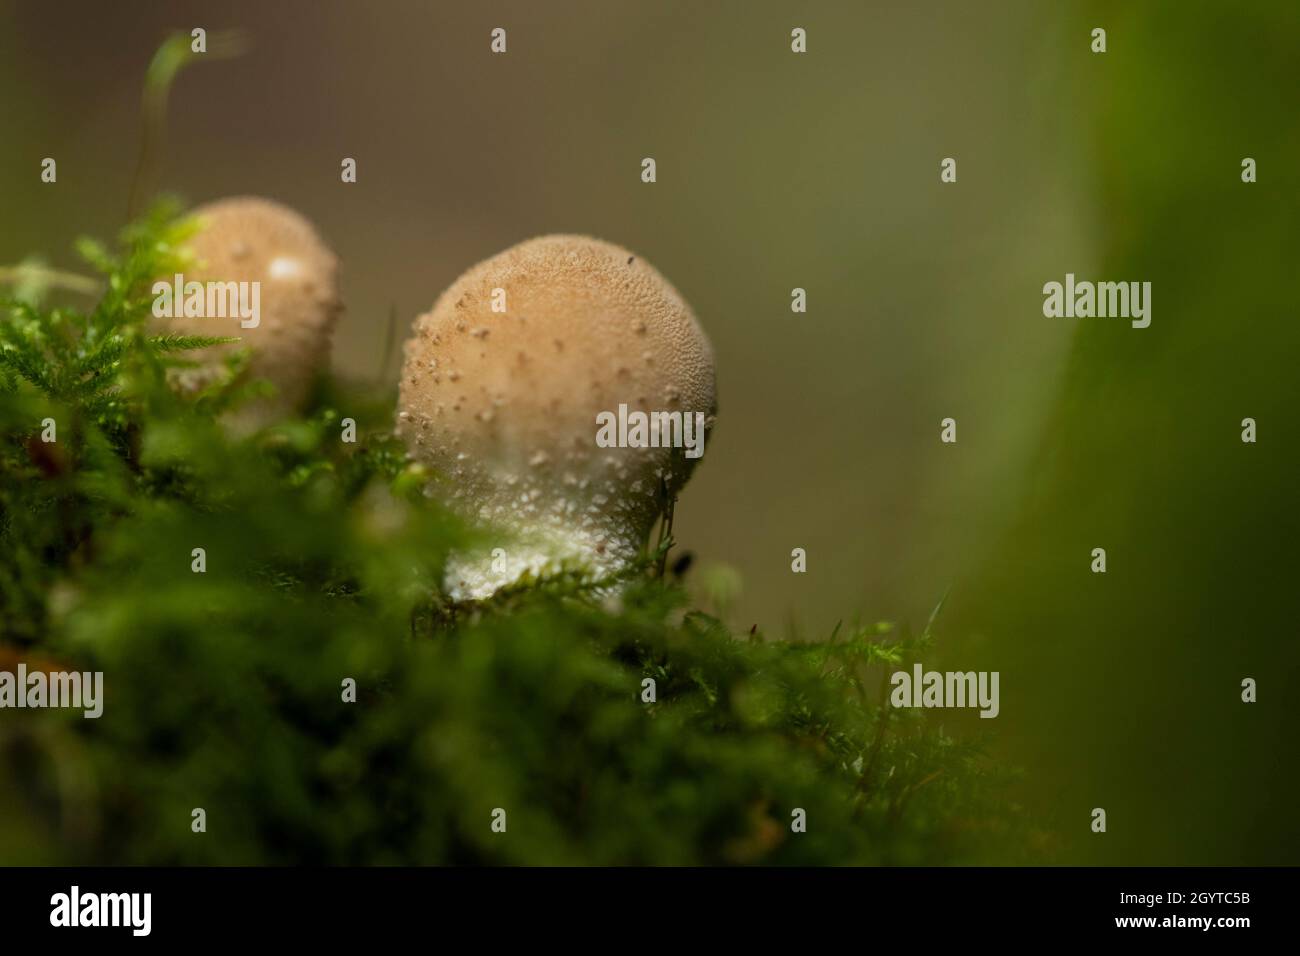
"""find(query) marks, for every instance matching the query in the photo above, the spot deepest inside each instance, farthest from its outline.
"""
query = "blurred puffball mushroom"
(258, 253)
(502, 388)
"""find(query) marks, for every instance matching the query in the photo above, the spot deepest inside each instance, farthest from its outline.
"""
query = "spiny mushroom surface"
(248, 239)
(504, 406)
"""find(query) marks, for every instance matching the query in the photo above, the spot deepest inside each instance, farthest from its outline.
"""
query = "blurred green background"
(822, 171)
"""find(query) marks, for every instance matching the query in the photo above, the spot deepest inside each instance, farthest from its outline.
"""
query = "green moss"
(223, 690)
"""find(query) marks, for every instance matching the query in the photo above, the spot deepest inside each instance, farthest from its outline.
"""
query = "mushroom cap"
(504, 405)
(248, 239)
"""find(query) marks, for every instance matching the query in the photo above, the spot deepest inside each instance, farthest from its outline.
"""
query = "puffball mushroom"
(251, 240)
(503, 406)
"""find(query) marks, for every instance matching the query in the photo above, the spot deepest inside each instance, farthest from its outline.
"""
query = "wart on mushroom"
(247, 240)
(505, 405)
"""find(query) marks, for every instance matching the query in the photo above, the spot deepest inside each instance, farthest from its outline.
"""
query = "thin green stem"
(175, 54)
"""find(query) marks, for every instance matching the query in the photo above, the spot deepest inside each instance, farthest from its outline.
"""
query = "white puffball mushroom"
(253, 240)
(503, 405)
